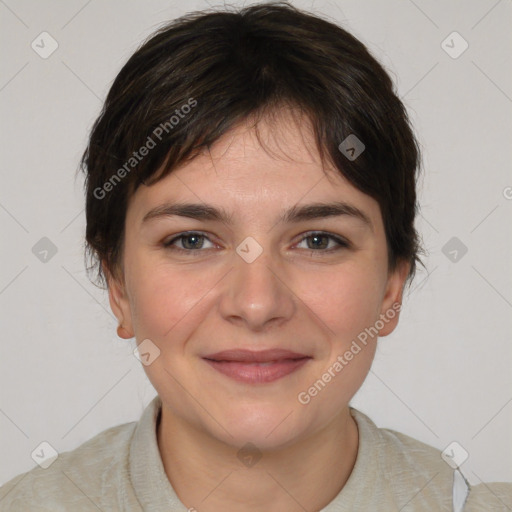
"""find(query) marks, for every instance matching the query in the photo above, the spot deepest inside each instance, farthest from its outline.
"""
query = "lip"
(257, 367)
(251, 356)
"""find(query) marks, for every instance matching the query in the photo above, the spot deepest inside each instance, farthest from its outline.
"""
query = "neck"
(207, 474)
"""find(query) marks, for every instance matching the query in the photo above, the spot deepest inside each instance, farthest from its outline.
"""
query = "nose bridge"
(256, 293)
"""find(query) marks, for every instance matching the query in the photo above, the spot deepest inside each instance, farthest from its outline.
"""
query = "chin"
(268, 428)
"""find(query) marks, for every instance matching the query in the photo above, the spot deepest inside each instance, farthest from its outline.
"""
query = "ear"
(119, 303)
(392, 301)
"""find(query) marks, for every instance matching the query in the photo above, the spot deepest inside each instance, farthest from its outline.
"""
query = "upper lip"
(255, 356)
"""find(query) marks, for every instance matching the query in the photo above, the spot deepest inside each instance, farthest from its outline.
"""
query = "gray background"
(444, 375)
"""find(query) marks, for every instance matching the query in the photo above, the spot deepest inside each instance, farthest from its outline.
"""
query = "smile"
(257, 367)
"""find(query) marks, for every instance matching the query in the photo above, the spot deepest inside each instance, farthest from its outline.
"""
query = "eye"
(320, 240)
(193, 241)
(190, 241)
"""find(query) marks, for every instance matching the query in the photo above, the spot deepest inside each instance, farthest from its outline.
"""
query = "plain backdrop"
(444, 375)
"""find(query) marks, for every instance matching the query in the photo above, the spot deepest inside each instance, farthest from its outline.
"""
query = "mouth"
(257, 367)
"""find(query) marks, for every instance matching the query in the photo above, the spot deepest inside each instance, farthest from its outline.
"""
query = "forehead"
(256, 171)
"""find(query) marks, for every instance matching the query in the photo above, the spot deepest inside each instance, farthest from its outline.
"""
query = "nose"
(257, 293)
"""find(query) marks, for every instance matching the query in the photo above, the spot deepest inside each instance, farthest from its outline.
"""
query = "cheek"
(167, 302)
(347, 299)
(348, 303)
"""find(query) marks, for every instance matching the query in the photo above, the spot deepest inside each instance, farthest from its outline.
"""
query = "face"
(268, 275)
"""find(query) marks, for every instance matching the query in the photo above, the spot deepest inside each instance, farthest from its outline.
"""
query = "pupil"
(316, 238)
(192, 237)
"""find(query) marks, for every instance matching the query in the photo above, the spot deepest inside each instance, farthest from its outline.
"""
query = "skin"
(296, 295)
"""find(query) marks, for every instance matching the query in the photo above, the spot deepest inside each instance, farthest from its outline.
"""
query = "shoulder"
(491, 497)
(418, 478)
(415, 455)
(77, 478)
(412, 473)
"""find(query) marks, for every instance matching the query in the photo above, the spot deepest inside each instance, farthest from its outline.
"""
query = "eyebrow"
(295, 214)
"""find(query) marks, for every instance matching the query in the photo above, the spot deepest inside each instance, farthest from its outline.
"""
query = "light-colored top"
(121, 469)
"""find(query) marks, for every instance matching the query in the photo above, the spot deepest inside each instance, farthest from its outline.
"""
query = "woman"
(251, 196)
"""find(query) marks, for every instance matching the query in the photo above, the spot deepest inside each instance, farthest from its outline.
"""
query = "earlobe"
(119, 304)
(392, 301)
(124, 333)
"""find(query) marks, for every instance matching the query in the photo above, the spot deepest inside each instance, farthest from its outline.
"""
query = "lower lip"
(254, 373)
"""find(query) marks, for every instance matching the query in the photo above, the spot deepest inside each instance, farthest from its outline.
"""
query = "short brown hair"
(227, 66)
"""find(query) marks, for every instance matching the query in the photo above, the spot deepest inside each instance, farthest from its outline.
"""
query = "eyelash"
(342, 244)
